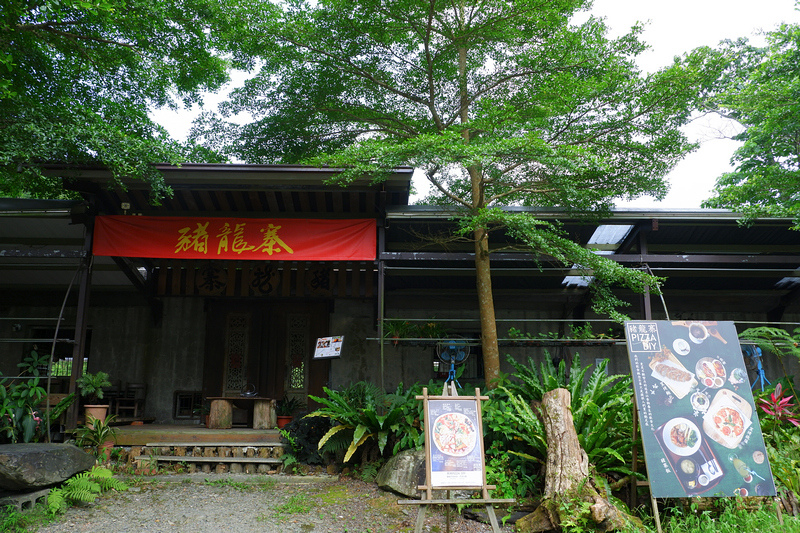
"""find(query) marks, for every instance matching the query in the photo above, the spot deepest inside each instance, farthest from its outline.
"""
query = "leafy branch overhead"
(759, 87)
(497, 102)
(550, 243)
(80, 76)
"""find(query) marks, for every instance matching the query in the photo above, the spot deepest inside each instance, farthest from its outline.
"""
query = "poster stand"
(634, 481)
(427, 497)
(695, 412)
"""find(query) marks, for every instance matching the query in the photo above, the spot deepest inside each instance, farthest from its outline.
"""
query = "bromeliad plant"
(780, 408)
(780, 425)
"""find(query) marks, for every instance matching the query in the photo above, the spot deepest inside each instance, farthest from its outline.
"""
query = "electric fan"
(455, 352)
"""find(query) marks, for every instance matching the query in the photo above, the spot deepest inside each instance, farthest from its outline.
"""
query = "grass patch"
(14, 521)
(296, 504)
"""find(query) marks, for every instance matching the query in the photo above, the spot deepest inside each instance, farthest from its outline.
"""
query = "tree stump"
(221, 414)
(570, 494)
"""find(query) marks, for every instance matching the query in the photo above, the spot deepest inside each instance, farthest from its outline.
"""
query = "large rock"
(403, 473)
(25, 467)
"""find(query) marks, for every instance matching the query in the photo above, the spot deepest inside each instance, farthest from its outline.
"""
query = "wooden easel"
(428, 488)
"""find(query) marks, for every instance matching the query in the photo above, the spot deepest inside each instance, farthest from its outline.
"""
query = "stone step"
(231, 444)
(195, 459)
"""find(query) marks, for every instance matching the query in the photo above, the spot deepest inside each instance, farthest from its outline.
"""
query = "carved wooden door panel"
(266, 346)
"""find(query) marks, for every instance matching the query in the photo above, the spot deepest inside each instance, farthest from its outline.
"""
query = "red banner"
(276, 239)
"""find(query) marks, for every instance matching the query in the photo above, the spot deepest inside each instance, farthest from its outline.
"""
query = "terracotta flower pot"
(104, 451)
(95, 412)
(283, 420)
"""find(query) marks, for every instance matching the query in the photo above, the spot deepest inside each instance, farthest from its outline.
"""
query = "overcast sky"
(672, 28)
(676, 27)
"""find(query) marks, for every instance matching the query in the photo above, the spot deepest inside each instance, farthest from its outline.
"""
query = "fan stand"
(754, 353)
(453, 352)
(451, 376)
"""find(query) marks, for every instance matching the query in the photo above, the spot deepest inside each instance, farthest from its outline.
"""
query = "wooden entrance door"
(266, 346)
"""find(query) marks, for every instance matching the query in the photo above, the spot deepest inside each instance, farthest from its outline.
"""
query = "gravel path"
(202, 503)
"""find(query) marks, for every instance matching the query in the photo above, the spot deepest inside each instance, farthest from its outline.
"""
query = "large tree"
(79, 76)
(761, 91)
(498, 102)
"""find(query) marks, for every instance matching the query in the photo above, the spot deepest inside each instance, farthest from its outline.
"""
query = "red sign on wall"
(277, 239)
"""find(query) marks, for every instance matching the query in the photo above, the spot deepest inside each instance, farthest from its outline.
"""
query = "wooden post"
(221, 414)
(263, 415)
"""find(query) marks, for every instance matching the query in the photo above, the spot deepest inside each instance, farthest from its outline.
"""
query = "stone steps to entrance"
(234, 457)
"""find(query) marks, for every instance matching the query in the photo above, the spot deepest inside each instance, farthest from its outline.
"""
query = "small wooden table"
(221, 413)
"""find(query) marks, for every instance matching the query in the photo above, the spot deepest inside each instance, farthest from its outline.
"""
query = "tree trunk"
(483, 274)
(569, 492)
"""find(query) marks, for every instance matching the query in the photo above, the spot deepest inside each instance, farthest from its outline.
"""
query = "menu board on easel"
(697, 416)
(456, 448)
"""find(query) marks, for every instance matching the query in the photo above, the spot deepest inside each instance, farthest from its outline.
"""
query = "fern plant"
(357, 424)
(601, 409)
(778, 341)
(82, 488)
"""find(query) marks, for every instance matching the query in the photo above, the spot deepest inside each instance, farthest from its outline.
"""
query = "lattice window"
(297, 335)
(237, 333)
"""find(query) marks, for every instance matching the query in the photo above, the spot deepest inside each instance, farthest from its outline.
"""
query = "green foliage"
(364, 414)
(602, 407)
(288, 405)
(100, 432)
(12, 521)
(547, 239)
(20, 402)
(398, 329)
(82, 488)
(759, 87)
(777, 341)
(779, 426)
(498, 102)
(783, 449)
(91, 385)
(296, 504)
(728, 517)
(512, 474)
(80, 76)
(576, 332)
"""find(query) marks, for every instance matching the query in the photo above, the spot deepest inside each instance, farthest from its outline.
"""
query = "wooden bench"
(221, 412)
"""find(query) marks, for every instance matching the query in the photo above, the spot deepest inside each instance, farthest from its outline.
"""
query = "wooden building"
(149, 296)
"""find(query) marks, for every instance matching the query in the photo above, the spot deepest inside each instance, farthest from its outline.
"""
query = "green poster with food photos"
(699, 424)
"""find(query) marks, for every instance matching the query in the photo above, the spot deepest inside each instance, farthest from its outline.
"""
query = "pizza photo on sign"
(727, 419)
(454, 434)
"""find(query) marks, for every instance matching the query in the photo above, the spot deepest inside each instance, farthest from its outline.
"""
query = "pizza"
(729, 422)
(454, 434)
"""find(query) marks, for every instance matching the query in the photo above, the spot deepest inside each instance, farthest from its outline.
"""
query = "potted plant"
(203, 410)
(397, 329)
(285, 408)
(100, 436)
(91, 387)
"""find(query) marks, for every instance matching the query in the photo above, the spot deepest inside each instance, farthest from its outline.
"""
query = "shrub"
(303, 435)
(365, 415)
(602, 407)
(20, 417)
